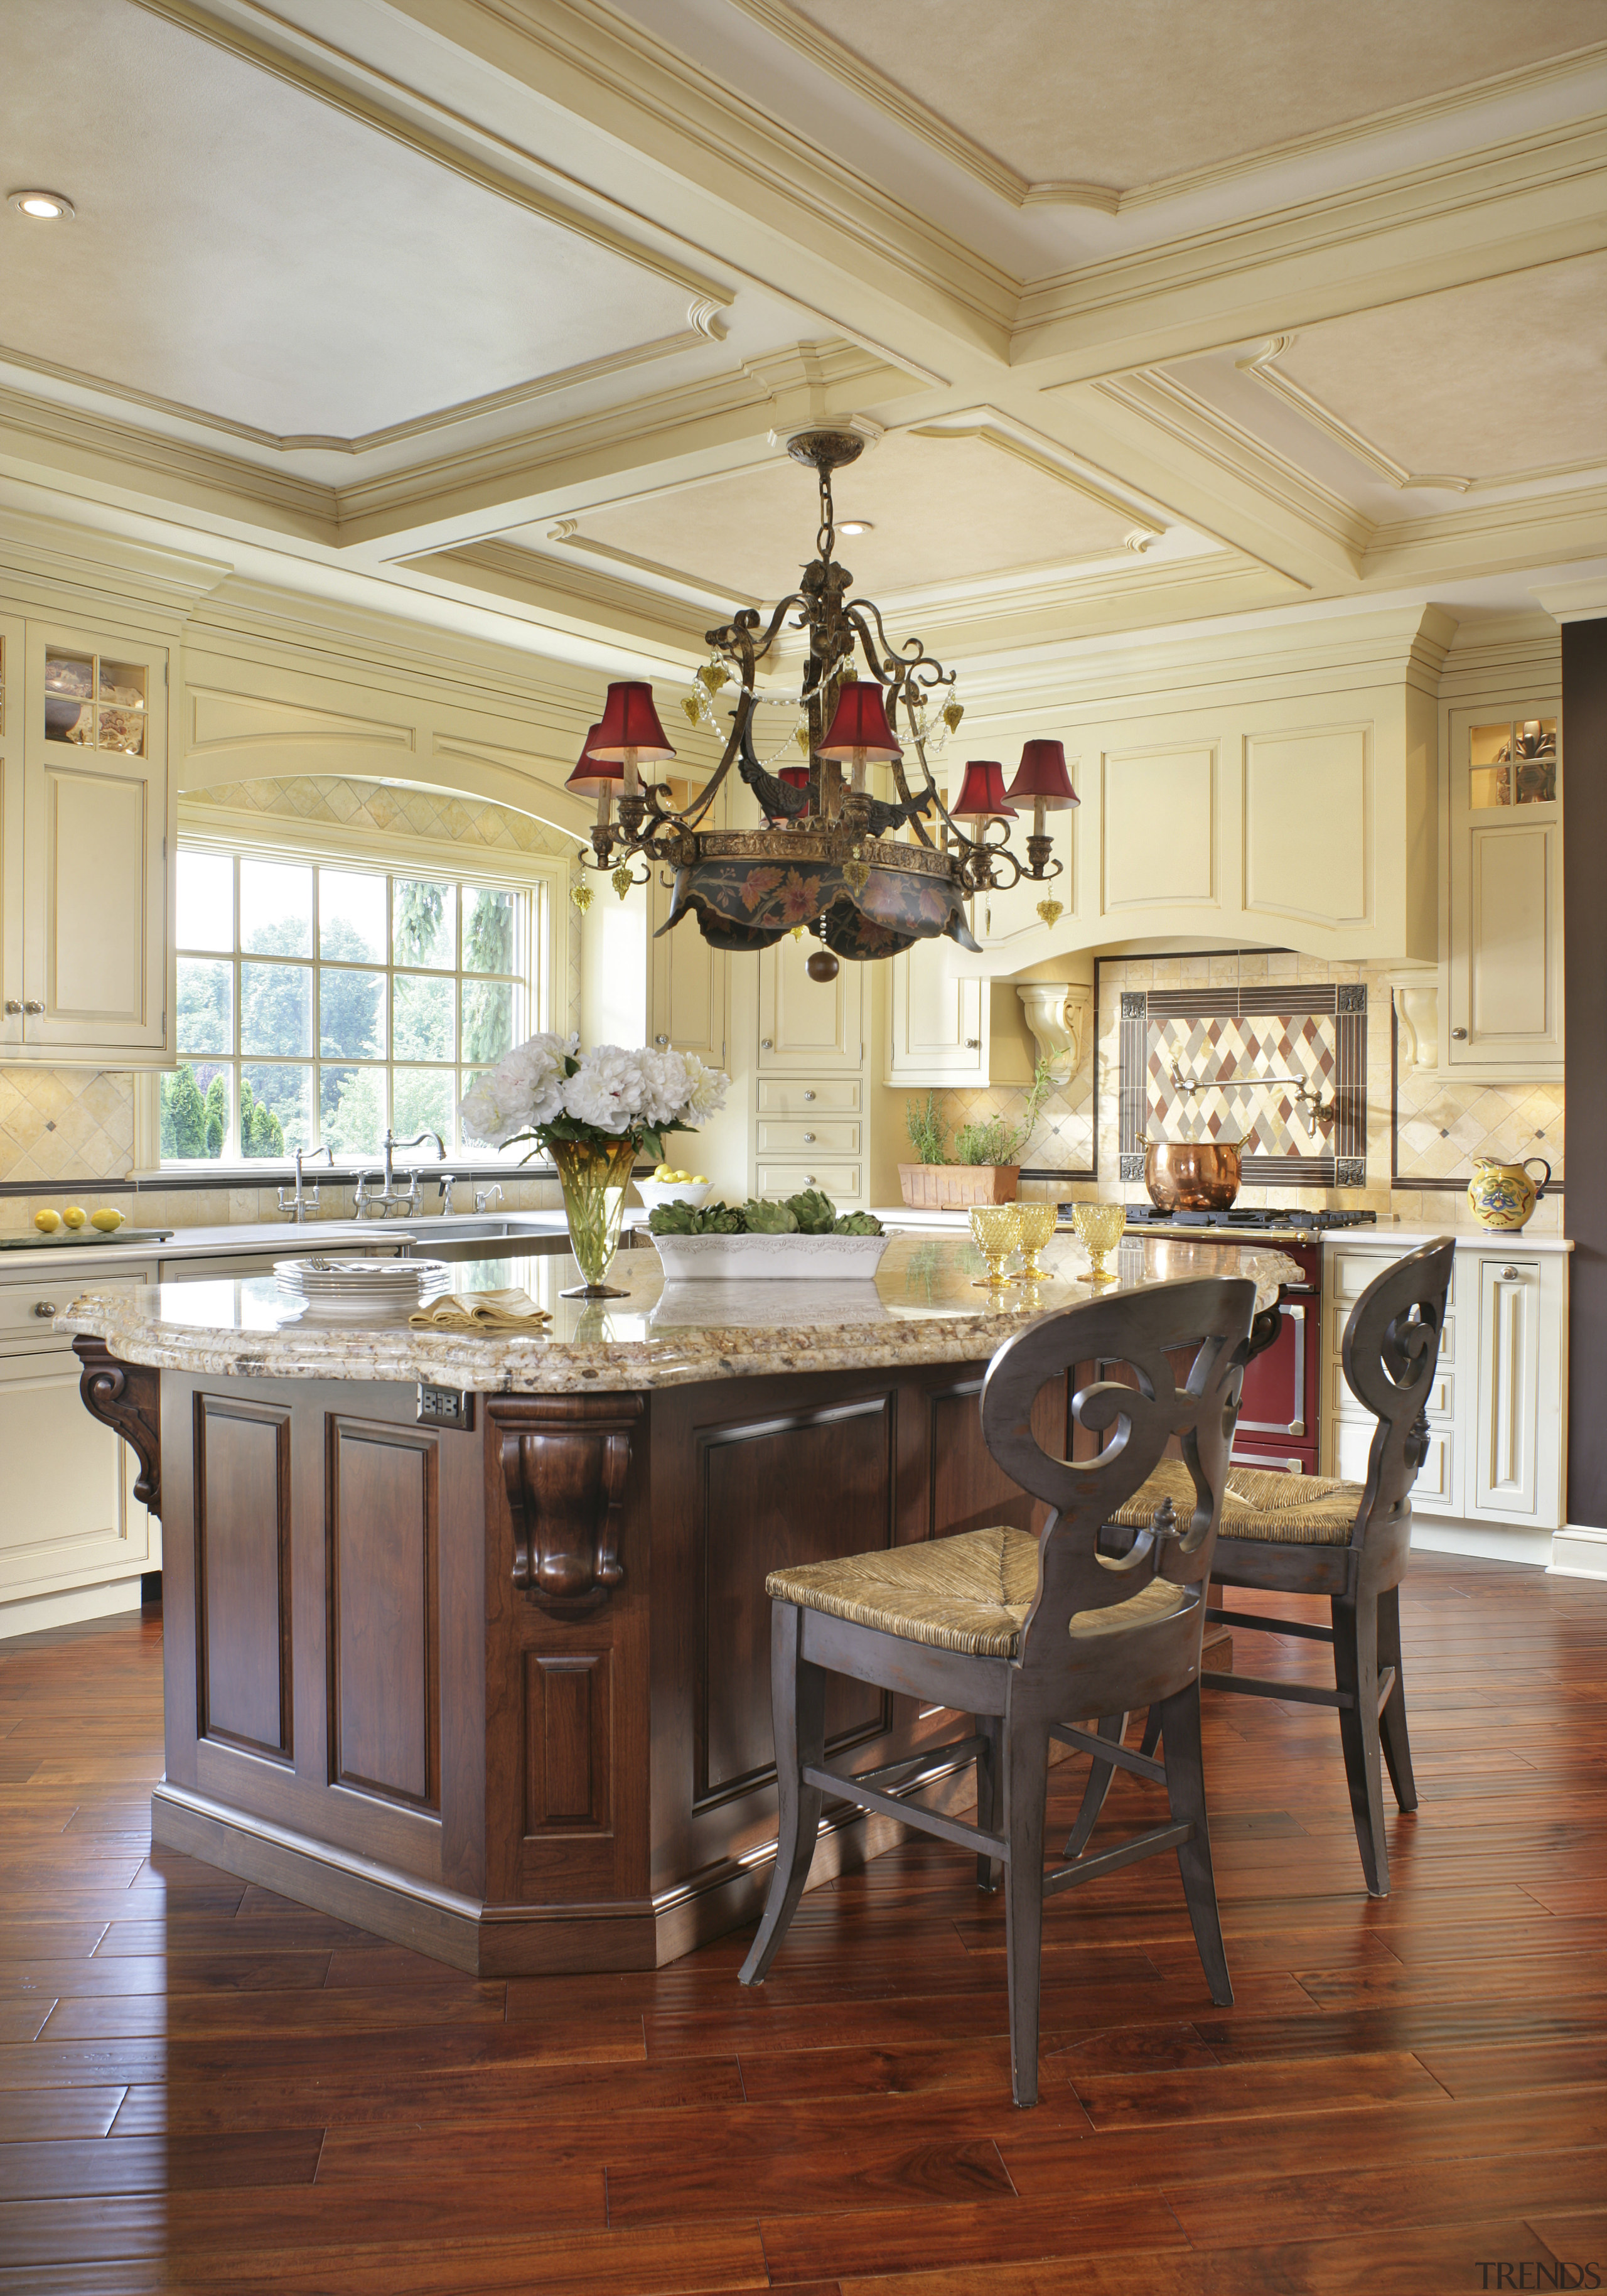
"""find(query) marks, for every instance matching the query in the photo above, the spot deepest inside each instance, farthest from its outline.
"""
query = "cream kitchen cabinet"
(937, 1031)
(689, 986)
(73, 1538)
(1503, 1011)
(804, 1024)
(87, 839)
(637, 989)
(1497, 1439)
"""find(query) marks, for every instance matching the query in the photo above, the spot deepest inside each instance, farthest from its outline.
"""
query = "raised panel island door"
(94, 826)
(1507, 1419)
(12, 721)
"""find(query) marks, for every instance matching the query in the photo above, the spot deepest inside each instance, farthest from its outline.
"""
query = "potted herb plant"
(985, 1168)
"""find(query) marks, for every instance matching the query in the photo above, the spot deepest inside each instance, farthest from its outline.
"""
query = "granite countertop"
(924, 1306)
(1385, 1230)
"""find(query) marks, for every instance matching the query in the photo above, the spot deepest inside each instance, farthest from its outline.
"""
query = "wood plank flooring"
(206, 2087)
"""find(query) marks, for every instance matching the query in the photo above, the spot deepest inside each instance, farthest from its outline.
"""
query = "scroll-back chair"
(1022, 1632)
(1313, 1535)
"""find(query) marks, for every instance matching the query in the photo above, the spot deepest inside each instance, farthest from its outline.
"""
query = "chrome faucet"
(389, 1198)
(302, 1204)
(483, 1197)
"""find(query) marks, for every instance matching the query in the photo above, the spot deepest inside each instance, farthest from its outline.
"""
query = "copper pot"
(1195, 1176)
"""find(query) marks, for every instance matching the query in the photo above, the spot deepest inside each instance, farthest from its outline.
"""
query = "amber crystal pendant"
(594, 1180)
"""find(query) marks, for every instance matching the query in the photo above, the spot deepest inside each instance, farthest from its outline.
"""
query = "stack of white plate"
(359, 1291)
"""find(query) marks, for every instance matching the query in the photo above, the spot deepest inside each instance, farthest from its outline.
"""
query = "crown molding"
(1007, 436)
(1263, 368)
(1489, 538)
(776, 391)
(872, 85)
(691, 337)
(289, 56)
(54, 554)
(577, 594)
(1158, 399)
(1537, 199)
(1575, 601)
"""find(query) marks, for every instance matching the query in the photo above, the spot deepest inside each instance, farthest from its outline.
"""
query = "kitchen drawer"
(1339, 1315)
(1351, 1441)
(24, 1303)
(839, 1137)
(1348, 1271)
(790, 1097)
(1442, 1397)
(841, 1182)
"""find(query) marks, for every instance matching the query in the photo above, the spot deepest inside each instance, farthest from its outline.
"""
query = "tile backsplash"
(1440, 1126)
(65, 1124)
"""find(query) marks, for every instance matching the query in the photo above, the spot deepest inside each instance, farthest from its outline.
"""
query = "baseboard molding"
(1579, 1551)
(1483, 1542)
(40, 1613)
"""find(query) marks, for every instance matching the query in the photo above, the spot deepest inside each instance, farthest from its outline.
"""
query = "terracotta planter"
(955, 1187)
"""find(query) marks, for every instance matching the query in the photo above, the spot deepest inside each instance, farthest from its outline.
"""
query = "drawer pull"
(808, 1095)
(809, 1179)
(810, 1137)
(43, 1307)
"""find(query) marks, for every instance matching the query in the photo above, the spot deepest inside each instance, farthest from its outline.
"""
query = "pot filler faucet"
(389, 1198)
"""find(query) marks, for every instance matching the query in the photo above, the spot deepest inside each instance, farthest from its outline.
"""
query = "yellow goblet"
(996, 1229)
(1099, 1226)
(1035, 1225)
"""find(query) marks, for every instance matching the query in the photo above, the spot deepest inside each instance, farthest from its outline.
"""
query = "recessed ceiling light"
(856, 526)
(44, 207)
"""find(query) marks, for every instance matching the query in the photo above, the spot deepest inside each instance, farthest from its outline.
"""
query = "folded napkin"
(512, 1310)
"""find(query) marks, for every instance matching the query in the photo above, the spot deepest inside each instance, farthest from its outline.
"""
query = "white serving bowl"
(761, 1258)
(654, 1193)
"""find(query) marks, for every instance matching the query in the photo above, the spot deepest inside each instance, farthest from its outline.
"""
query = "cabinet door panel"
(68, 1517)
(11, 831)
(1503, 941)
(1510, 901)
(1508, 1404)
(94, 826)
(689, 987)
(804, 1024)
(935, 1032)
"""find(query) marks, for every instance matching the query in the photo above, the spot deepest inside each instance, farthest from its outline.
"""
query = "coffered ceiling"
(499, 311)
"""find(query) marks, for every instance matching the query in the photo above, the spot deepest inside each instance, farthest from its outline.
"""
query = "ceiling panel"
(1094, 91)
(941, 509)
(1503, 377)
(243, 247)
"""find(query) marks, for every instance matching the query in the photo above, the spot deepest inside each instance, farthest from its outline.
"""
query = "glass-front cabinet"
(1504, 886)
(84, 837)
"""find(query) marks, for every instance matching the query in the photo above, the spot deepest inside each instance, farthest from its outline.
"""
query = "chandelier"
(868, 875)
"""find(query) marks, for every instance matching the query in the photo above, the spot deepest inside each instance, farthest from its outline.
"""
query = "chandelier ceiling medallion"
(869, 876)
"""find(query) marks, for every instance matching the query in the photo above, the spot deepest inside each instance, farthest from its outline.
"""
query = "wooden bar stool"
(1020, 1632)
(1313, 1535)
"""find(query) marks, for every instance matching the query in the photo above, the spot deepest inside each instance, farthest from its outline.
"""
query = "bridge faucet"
(392, 1143)
(300, 1203)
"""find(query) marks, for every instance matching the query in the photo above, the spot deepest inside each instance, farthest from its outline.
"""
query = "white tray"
(762, 1259)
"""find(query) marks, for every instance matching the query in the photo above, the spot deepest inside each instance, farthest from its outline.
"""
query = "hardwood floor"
(205, 2087)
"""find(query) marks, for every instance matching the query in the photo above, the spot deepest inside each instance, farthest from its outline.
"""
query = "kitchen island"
(466, 1638)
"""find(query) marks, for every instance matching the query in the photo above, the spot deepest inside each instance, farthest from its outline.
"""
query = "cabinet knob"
(43, 1307)
(661, 1038)
(809, 1179)
(808, 1095)
(1510, 1275)
(765, 1045)
(973, 1044)
(809, 1138)
(32, 1004)
(13, 1004)
(1459, 1034)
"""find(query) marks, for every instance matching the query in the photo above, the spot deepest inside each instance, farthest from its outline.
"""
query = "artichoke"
(681, 1218)
(856, 1224)
(770, 1219)
(815, 1212)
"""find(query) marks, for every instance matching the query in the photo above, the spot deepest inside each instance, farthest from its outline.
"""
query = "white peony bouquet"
(547, 1089)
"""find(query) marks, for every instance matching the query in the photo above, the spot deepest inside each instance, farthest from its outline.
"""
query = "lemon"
(47, 1223)
(106, 1219)
(74, 1216)
(699, 1179)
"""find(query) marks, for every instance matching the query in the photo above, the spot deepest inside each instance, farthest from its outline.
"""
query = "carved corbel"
(564, 1460)
(1057, 1013)
(126, 1398)
(1418, 1024)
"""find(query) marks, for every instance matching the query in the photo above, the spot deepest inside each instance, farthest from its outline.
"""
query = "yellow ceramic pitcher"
(1503, 1195)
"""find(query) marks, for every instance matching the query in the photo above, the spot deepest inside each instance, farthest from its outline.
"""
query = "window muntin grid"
(340, 997)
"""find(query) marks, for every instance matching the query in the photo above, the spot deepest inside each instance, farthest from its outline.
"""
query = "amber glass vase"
(594, 1180)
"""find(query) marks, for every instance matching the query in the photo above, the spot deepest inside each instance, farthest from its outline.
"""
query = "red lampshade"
(982, 791)
(590, 772)
(1042, 779)
(859, 724)
(630, 722)
(794, 776)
